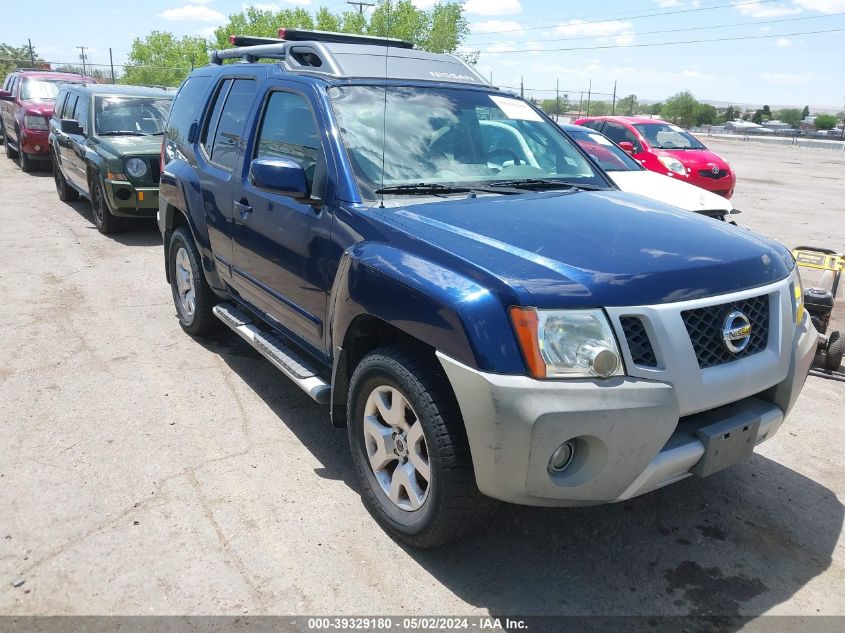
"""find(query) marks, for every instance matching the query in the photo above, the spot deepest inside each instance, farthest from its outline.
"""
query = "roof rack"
(47, 70)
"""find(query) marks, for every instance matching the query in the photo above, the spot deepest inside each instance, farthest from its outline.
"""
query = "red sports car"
(667, 149)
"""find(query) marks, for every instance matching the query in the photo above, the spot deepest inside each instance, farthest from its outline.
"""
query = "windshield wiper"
(436, 189)
(123, 133)
(539, 184)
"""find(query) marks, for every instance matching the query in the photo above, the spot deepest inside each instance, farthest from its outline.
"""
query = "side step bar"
(276, 351)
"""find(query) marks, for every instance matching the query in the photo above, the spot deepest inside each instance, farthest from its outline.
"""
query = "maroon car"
(667, 149)
(26, 105)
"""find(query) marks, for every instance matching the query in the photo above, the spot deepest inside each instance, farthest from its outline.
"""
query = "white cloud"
(760, 10)
(207, 32)
(509, 27)
(765, 28)
(199, 1)
(823, 6)
(265, 6)
(786, 78)
(423, 4)
(192, 13)
(493, 7)
(668, 3)
(783, 42)
(622, 32)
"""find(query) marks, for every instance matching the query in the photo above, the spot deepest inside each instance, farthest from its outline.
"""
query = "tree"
(767, 113)
(103, 75)
(162, 60)
(627, 105)
(806, 112)
(730, 113)
(705, 114)
(12, 57)
(656, 108)
(757, 117)
(825, 122)
(680, 108)
(792, 116)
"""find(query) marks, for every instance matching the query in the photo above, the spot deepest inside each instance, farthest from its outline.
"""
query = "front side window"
(620, 134)
(606, 154)
(288, 130)
(668, 136)
(139, 116)
(42, 89)
(70, 106)
(397, 136)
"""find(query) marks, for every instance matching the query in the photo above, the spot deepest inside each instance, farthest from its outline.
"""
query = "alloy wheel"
(185, 283)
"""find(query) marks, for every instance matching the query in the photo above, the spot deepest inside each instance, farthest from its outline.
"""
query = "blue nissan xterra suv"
(484, 328)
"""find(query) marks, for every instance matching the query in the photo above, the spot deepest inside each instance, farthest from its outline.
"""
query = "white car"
(625, 172)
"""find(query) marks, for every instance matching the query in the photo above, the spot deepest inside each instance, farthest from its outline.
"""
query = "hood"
(670, 191)
(593, 249)
(38, 107)
(131, 145)
(695, 158)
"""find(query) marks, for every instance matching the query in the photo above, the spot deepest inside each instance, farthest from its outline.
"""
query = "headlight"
(35, 122)
(136, 168)
(798, 299)
(673, 164)
(567, 343)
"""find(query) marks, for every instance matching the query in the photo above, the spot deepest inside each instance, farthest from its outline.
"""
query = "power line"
(691, 28)
(361, 6)
(638, 17)
(718, 39)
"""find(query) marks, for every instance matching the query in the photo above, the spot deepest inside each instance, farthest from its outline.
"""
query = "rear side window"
(186, 109)
(222, 147)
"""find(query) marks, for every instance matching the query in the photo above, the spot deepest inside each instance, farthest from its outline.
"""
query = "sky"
(766, 56)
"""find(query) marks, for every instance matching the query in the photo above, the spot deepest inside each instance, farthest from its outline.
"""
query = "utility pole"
(557, 99)
(521, 87)
(361, 6)
(111, 63)
(82, 57)
(613, 109)
(580, 103)
(589, 95)
(31, 54)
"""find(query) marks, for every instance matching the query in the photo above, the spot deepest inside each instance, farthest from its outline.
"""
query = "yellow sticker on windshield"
(516, 109)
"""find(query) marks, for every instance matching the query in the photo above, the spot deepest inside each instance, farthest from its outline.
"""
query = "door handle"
(243, 207)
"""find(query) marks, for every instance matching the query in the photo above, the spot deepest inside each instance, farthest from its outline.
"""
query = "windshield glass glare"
(142, 115)
(668, 136)
(43, 89)
(609, 156)
(451, 136)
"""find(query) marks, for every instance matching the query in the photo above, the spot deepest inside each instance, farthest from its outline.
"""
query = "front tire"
(105, 222)
(192, 295)
(410, 449)
(26, 163)
(10, 152)
(835, 350)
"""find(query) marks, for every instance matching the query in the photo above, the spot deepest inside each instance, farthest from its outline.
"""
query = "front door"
(280, 243)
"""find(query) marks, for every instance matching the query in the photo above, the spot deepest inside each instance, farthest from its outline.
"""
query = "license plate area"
(726, 443)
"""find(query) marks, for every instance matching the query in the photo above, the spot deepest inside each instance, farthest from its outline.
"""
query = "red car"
(667, 149)
(26, 105)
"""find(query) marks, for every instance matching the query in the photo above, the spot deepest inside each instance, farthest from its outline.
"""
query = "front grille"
(642, 353)
(704, 326)
(155, 169)
(709, 173)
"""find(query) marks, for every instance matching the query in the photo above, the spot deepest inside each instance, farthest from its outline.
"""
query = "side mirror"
(279, 175)
(71, 126)
(628, 146)
(5, 95)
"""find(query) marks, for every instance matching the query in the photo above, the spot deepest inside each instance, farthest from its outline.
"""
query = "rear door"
(73, 152)
(220, 144)
(281, 243)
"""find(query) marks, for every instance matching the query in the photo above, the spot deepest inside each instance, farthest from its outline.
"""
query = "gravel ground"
(145, 473)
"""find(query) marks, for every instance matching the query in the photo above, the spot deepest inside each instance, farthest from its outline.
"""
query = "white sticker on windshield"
(598, 138)
(515, 109)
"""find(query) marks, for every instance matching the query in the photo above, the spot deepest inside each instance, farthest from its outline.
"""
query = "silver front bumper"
(633, 434)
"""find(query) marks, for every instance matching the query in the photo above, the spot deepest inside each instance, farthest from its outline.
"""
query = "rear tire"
(10, 153)
(65, 191)
(192, 295)
(835, 350)
(410, 449)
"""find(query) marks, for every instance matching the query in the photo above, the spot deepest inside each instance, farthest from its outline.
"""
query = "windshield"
(130, 115)
(44, 89)
(668, 136)
(610, 157)
(445, 136)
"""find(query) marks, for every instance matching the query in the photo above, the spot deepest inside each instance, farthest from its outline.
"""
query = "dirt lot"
(145, 473)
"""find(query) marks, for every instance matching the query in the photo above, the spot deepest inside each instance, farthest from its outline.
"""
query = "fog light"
(603, 362)
(562, 457)
(37, 148)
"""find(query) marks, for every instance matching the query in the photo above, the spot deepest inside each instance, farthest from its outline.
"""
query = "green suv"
(105, 142)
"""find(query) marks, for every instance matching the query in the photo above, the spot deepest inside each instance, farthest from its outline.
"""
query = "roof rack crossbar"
(250, 53)
(303, 35)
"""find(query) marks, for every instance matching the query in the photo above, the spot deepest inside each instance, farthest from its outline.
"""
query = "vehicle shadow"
(136, 232)
(735, 544)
